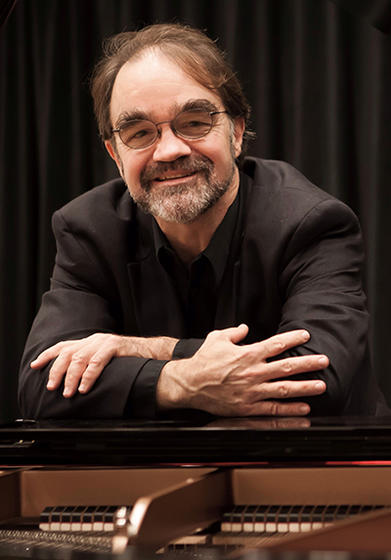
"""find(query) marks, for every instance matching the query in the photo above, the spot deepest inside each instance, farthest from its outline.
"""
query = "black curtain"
(317, 73)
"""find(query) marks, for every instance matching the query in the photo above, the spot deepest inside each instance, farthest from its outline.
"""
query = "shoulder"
(104, 221)
(103, 204)
(283, 196)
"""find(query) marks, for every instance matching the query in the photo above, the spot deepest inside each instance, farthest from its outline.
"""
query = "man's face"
(174, 179)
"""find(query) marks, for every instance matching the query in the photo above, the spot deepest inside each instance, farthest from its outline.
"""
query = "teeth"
(171, 178)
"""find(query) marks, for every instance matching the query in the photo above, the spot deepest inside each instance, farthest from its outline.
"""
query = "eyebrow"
(190, 105)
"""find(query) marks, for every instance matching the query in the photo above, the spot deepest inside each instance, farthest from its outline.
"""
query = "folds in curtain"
(316, 73)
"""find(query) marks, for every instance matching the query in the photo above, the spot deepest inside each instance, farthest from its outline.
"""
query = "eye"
(136, 133)
(193, 123)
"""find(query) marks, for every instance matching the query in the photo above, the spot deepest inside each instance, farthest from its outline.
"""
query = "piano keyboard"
(287, 518)
(261, 525)
(82, 518)
(251, 519)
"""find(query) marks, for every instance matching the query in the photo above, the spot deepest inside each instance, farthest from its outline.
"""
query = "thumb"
(236, 334)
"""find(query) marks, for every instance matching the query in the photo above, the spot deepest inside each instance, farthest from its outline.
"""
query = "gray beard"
(184, 203)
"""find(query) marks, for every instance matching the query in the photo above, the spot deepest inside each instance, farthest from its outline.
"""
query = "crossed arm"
(222, 377)
(322, 284)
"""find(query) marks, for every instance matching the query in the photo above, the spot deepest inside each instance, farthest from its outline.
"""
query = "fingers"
(289, 389)
(84, 370)
(260, 352)
(276, 408)
(266, 398)
(294, 365)
(278, 343)
(47, 355)
(77, 362)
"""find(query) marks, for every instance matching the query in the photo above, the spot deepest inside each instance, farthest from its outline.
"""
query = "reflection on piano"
(294, 488)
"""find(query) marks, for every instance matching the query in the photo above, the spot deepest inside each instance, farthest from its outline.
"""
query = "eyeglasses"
(190, 125)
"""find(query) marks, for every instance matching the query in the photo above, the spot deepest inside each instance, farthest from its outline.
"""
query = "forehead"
(155, 85)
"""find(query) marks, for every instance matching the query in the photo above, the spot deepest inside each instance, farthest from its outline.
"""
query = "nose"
(169, 146)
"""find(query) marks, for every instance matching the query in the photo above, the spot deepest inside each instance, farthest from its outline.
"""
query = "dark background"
(317, 73)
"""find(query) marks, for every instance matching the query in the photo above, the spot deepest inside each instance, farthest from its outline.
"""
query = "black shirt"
(196, 286)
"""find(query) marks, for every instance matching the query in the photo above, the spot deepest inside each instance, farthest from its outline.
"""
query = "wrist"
(162, 347)
(170, 389)
(155, 348)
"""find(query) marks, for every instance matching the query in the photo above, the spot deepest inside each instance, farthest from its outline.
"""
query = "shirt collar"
(219, 247)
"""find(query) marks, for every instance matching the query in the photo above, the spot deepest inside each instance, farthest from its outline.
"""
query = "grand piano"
(200, 488)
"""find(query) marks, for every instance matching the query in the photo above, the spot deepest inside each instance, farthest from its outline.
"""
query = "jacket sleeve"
(321, 287)
(79, 303)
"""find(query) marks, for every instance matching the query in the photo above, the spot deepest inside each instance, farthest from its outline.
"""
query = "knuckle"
(277, 346)
(65, 354)
(287, 366)
(283, 390)
(96, 336)
(274, 408)
(72, 376)
(212, 334)
(88, 376)
(250, 354)
(78, 359)
(95, 362)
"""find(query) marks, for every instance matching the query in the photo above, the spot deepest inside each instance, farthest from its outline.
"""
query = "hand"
(82, 361)
(230, 380)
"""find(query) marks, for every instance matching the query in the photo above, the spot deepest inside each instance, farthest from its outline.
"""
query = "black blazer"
(296, 262)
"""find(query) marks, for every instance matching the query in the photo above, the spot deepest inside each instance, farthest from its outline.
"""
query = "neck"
(189, 240)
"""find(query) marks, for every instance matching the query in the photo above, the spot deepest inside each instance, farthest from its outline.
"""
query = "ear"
(238, 135)
(113, 154)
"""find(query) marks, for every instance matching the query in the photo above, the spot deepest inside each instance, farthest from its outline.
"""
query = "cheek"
(223, 154)
(132, 168)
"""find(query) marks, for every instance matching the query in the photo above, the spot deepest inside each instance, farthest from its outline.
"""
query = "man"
(233, 288)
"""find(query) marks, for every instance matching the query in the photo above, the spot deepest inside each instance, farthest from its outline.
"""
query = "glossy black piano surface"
(196, 440)
(193, 441)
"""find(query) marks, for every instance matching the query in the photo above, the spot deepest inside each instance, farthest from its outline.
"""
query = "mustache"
(185, 165)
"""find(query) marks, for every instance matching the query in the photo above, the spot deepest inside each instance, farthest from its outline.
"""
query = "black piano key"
(283, 519)
(45, 518)
(306, 513)
(306, 517)
(237, 518)
(294, 518)
(249, 516)
(271, 519)
(87, 518)
(76, 518)
(329, 514)
(354, 509)
(66, 515)
(283, 514)
(342, 511)
(227, 520)
(260, 519)
(109, 518)
(366, 509)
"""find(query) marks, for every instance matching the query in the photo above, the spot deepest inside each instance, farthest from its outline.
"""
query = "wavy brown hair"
(190, 48)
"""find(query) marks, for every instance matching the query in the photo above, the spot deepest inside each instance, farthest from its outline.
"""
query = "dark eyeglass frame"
(172, 126)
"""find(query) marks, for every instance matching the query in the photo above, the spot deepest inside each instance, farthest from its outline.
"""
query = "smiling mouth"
(175, 177)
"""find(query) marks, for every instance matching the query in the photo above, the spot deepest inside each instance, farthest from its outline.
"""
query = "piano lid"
(196, 440)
